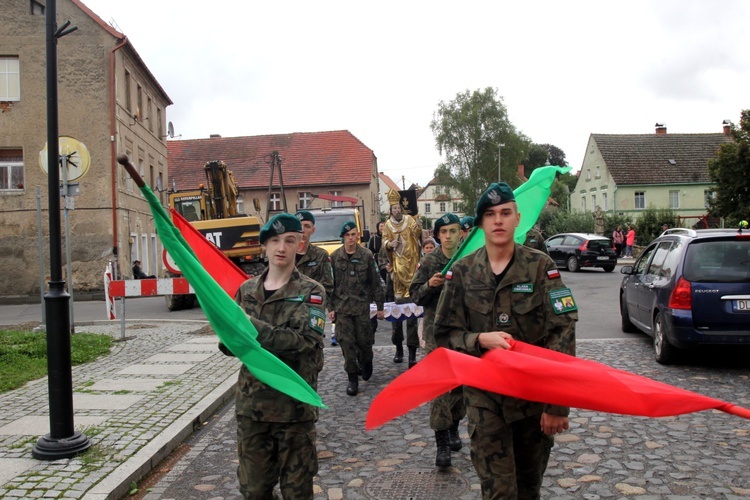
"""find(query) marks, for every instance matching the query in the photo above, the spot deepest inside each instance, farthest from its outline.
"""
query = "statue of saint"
(401, 237)
(598, 221)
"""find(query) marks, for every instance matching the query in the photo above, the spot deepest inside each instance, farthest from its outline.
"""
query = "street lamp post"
(500, 147)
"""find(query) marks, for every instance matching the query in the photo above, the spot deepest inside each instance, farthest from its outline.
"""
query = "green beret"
(347, 227)
(497, 194)
(445, 220)
(467, 222)
(305, 215)
(280, 224)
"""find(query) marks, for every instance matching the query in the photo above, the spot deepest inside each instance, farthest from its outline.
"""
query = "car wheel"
(573, 264)
(608, 269)
(627, 325)
(665, 352)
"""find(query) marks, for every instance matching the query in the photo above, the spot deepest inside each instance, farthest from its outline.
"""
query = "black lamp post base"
(48, 448)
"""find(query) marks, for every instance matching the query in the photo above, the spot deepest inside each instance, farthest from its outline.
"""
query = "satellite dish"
(170, 130)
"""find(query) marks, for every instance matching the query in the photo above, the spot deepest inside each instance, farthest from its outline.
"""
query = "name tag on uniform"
(299, 298)
(562, 301)
(354, 261)
(312, 263)
(523, 288)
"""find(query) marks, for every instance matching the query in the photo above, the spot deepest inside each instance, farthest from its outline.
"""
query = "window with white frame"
(674, 198)
(604, 201)
(427, 208)
(640, 200)
(305, 199)
(588, 174)
(336, 204)
(708, 195)
(442, 206)
(11, 169)
(275, 202)
(455, 207)
(240, 204)
(10, 79)
(598, 172)
(593, 202)
(583, 203)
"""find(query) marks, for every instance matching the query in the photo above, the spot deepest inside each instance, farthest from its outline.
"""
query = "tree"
(729, 171)
(468, 131)
(539, 154)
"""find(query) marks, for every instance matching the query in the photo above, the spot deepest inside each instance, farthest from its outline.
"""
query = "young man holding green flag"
(501, 291)
(276, 433)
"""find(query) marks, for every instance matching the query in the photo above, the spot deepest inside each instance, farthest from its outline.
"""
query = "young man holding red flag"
(276, 433)
(448, 409)
(505, 290)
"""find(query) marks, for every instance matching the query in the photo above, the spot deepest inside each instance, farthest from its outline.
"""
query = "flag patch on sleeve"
(449, 275)
(553, 273)
(316, 299)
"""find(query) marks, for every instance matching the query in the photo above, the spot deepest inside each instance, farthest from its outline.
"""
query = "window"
(305, 199)
(598, 172)
(708, 195)
(455, 207)
(11, 169)
(139, 103)
(128, 179)
(240, 204)
(37, 9)
(593, 202)
(128, 101)
(583, 203)
(604, 201)
(336, 204)
(588, 174)
(148, 115)
(427, 208)
(275, 202)
(442, 206)
(159, 125)
(10, 79)
(674, 198)
(640, 199)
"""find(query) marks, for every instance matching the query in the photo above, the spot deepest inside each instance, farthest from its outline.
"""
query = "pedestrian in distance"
(500, 292)
(356, 284)
(276, 433)
(446, 410)
(535, 240)
(618, 240)
(138, 272)
(428, 245)
(629, 240)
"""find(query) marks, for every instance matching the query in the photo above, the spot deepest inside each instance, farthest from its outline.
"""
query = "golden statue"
(401, 237)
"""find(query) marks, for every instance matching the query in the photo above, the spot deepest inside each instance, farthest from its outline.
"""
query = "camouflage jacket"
(316, 264)
(426, 296)
(534, 239)
(531, 303)
(290, 326)
(356, 282)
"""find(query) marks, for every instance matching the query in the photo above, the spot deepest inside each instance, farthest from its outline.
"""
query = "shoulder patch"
(449, 275)
(562, 301)
(553, 274)
(316, 299)
(317, 320)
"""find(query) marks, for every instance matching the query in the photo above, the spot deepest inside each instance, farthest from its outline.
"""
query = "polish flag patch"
(553, 273)
(316, 299)
(449, 275)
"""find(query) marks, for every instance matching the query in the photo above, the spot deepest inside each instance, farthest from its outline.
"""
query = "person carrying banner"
(503, 291)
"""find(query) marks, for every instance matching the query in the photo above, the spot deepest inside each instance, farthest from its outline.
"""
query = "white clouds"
(565, 69)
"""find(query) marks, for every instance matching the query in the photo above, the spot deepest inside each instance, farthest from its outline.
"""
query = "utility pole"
(500, 147)
(403, 183)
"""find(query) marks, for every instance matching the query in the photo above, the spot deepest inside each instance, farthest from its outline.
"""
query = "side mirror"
(626, 270)
(256, 204)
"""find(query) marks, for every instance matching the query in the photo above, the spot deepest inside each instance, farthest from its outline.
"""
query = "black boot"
(443, 458)
(353, 386)
(399, 357)
(412, 356)
(366, 370)
(453, 438)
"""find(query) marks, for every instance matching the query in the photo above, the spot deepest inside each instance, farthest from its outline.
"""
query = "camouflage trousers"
(356, 338)
(510, 458)
(446, 408)
(276, 452)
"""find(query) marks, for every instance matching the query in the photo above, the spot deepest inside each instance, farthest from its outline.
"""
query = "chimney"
(661, 129)
(520, 171)
(727, 127)
(214, 136)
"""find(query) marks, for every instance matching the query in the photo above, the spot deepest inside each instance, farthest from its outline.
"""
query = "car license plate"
(603, 257)
(742, 306)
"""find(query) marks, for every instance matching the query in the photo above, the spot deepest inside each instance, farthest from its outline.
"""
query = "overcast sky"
(379, 69)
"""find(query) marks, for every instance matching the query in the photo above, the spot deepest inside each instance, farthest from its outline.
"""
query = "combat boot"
(367, 371)
(443, 458)
(412, 356)
(453, 438)
(353, 386)
(399, 357)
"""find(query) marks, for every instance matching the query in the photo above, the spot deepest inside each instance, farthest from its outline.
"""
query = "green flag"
(531, 196)
(228, 319)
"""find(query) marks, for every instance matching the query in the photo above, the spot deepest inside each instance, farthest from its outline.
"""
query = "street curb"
(117, 484)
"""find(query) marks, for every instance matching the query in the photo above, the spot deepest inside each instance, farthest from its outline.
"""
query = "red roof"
(314, 158)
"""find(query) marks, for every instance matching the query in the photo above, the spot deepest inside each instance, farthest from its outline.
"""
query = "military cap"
(497, 194)
(467, 222)
(445, 220)
(305, 215)
(347, 227)
(280, 224)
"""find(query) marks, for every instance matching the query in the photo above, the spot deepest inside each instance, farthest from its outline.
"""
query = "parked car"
(573, 251)
(689, 288)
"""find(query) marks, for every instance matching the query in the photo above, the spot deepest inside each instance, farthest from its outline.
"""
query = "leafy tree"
(729, 171)
(539, 154)
(468, 131)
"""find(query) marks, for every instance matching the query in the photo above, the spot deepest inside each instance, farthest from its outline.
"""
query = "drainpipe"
(113, 148)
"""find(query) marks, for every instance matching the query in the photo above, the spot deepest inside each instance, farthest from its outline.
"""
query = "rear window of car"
(718, 261)
(598, 244)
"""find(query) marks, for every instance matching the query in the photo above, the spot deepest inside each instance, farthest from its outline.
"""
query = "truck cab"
(328, 222)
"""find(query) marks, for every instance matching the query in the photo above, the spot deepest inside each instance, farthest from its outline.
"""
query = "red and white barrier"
(149, 287)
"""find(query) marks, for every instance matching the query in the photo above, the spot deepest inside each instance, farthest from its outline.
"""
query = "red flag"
(537, 374)
(222, 270)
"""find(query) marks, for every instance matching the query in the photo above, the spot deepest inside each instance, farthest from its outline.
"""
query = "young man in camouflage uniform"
(356, 283)
(503, 291)
(276, 433)
(467, 224)
(313, 261)
(448, 409)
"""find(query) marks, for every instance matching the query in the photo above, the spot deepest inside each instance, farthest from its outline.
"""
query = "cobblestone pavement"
(701, 455)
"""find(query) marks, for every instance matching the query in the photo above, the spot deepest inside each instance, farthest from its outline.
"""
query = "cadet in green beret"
(446, 410)
(467, 224)
(276, 433)
(507, 291)
(313, 261)
(356, 284)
